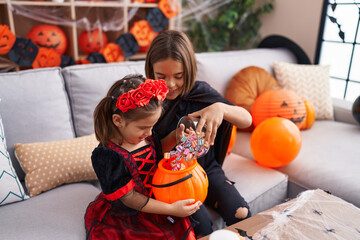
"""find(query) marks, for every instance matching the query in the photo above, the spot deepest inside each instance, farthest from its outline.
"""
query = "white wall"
(297, 20)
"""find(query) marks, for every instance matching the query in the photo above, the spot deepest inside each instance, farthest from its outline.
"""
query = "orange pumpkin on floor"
(279, 103)
(7, 39)
(190, 183)
(310, 115)
(49, 36)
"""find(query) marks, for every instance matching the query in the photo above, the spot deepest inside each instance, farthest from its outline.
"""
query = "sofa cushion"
(34, 107)
(217, 68)
(328, 159)
(57, 214)
(310, 82)
(11, 189)
(246, 85)
(88, 84)
(50, 164)
(261, 187)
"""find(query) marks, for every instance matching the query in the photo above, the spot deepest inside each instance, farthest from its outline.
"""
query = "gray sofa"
(55, 104)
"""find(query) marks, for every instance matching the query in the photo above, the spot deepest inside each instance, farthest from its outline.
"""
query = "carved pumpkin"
(128, 44)
(49, 36)
(92, 41)
(170, 8)
(310, 115)
(112, 53)
(143, 33)
(190, 183)
(7, 39)
(279, 103)
(47, 57)
(157, 20)
(23, 52)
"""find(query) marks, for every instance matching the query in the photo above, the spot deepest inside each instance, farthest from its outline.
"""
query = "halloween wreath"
(45, 45)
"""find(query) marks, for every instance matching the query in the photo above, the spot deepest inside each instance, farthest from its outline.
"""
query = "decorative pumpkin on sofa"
(310, 115)
(92, 41)
(279, 103)
(7, 39)
(49, 36)
(190, 183)
(47, 57)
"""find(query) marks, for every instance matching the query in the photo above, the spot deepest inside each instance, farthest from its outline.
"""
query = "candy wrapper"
(190, 144)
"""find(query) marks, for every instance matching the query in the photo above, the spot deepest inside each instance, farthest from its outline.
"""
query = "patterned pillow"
(50, 164)
(11, 189)
(310, 82)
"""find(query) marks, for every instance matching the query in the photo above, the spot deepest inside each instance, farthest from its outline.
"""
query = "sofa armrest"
(342, 111)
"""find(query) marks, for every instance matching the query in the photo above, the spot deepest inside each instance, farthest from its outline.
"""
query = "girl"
(171, 57)
(123, 162)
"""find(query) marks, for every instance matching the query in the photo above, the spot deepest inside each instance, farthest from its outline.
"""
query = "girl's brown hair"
(175, 45)
(104, 127)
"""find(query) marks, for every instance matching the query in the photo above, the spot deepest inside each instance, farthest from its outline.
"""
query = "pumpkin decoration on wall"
(310, 115)
(92, 41)
(190, 183)
(7, 39)
(47, 57)
(49, 36)
(279, 103)
(23, 52)
(143, 34)
(112, 53)
(170, 8)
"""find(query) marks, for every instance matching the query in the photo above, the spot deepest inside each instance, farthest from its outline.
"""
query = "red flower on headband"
(125, 102)
(142, 95)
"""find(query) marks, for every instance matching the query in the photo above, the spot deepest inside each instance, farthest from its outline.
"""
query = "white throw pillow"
(11, 189)
(310, 82)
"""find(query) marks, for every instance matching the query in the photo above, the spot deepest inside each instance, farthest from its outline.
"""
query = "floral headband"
(141, 96)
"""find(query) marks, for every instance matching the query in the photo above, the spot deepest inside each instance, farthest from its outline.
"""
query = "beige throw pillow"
(50, 164)
(310, 82)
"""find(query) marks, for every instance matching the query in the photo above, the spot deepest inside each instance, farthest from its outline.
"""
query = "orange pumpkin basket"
(190, 183)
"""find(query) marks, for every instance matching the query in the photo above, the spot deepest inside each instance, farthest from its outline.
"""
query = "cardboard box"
(314, 214)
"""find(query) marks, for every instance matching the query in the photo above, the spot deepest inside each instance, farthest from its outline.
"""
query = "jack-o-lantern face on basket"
(112, 53)
(279, 103)
(143, 33)
(170, 8)
(49, 36)
(23, 52)
(47, 58)
(92, 41)
(7, 39)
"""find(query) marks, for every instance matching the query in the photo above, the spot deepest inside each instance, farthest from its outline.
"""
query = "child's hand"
(180, 132)
(182, 209)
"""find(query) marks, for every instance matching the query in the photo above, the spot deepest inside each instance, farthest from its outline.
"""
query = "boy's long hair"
(104, 127)
(177, 46)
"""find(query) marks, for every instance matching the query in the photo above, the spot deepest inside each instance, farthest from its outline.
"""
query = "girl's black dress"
(222, 196)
